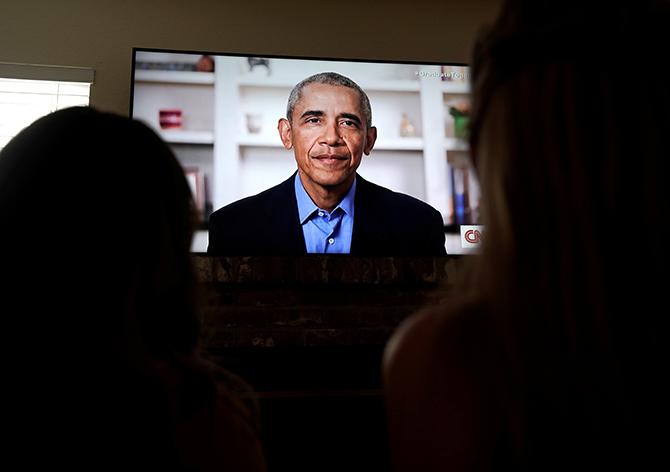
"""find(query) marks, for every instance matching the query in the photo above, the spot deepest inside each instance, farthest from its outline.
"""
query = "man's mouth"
(330, 158)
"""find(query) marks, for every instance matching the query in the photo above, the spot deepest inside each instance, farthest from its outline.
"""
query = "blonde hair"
(572, 170)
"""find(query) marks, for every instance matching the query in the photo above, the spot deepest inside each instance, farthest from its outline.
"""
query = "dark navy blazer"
(386, 223)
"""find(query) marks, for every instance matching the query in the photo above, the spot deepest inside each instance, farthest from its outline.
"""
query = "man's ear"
(371, 137)
(284, 128)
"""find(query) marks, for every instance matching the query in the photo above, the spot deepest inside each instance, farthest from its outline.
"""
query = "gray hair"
(330, 78)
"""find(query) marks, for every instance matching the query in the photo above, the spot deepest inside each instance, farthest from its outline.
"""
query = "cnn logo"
(471, 235)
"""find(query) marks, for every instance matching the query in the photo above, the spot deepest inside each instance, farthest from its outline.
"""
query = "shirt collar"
(306, 207)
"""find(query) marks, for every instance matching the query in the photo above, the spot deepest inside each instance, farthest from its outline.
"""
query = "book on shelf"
(197, 181)
(459, 178)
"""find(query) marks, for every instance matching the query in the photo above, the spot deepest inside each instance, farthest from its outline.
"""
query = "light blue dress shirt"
(326, 232)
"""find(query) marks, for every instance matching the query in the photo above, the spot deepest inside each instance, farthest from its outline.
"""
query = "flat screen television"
(220, 111)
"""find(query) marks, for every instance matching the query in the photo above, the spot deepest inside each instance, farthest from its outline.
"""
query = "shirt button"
(331, 241)
(320, 213)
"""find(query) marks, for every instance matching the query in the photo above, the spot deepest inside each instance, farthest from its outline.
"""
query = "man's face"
(328, 135)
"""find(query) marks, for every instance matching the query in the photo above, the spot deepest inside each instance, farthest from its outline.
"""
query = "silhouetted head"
(98, 300)
(568, 132)
(97, 221)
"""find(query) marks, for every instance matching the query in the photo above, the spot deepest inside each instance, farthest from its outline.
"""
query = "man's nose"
(331, 135)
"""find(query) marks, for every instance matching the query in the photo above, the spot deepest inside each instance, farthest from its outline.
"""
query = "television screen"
(220, 112)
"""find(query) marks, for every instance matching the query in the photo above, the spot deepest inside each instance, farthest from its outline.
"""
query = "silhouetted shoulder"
(441, 390)
(436, 336)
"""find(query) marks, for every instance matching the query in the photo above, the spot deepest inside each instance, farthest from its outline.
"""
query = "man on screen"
(326, 207)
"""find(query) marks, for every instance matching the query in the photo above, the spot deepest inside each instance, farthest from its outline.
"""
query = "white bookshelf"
(238, 163)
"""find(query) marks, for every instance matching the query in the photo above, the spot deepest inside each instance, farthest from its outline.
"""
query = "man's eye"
(349, 123)
(313, 120)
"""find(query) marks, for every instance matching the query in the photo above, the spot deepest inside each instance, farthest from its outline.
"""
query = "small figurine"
(254, 122)
(407, 128)
(461, 114)
(205, 64)
(259, 61)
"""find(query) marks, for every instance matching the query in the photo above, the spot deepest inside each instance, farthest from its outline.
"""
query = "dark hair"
(97, 220)
(572, 167)
(329, 78)
(105, 197)
(567, 147)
